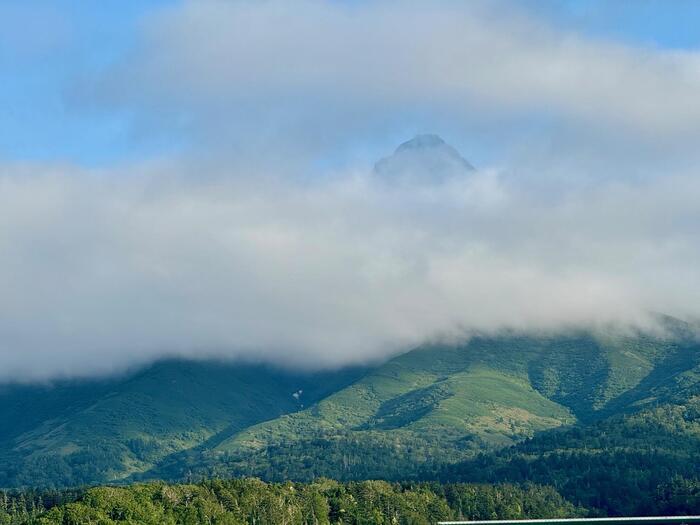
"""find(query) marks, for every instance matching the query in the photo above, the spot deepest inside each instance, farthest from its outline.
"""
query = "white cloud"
(304, 64)
(100, 271)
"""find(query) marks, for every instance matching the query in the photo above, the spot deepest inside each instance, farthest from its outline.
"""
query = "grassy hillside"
(407, 418)
(87, 432)
(443, 404)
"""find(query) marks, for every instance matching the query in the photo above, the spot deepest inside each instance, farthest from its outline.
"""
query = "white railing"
(563, 521)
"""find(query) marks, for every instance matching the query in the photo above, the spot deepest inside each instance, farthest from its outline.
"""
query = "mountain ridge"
(435, 405)
(457, 403)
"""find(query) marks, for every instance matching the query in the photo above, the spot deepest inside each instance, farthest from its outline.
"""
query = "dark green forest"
(616, 466)
(251, 501)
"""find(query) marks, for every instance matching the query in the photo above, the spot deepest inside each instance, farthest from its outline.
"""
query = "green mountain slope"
(615, 465)
(443, 404)
(407, 418)
(86, 432)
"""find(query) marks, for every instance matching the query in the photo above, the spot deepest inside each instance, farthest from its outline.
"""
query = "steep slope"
(436, 405)
(97, 431)
(440, 404)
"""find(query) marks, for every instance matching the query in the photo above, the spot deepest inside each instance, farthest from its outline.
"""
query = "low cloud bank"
(100, 271)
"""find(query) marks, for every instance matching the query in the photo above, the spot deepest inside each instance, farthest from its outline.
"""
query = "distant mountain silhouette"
(425, 159)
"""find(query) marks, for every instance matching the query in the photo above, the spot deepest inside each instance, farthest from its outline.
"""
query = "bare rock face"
(423, 160)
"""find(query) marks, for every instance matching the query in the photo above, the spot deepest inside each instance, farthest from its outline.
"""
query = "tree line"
(251, 501)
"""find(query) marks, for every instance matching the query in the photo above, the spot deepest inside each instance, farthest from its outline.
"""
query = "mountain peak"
(425, 159)
(421, 142)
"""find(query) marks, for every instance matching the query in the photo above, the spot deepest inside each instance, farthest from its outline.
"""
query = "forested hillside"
(617, 466)
(445, 404)
(407, 419)
(84, 432)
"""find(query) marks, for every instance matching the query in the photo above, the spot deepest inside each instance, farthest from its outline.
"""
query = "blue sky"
(668, 24)
(47, 48)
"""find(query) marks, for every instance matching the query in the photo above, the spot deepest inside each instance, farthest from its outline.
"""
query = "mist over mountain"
(319, 274)
(423, 415)
(348, 262)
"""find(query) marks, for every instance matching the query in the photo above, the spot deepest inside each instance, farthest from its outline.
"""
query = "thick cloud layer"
(234, 247)
(100, 271)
